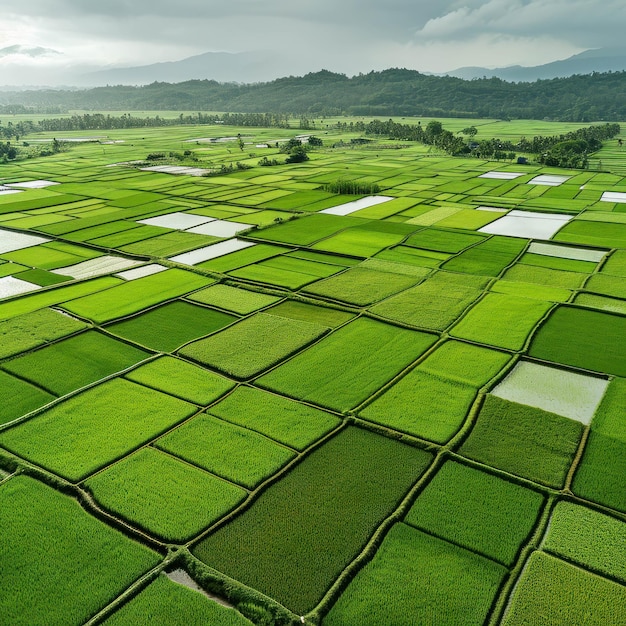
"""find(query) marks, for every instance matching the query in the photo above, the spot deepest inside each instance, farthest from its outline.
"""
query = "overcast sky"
(348, 36)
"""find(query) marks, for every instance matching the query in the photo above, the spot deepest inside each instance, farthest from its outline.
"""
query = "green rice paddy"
(312, 415)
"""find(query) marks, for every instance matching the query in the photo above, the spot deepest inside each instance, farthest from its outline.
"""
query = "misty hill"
(601, 60)
(580, 98)
(242, 67)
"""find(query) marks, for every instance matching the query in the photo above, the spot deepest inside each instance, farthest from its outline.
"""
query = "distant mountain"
(600, 60)
(242, 67)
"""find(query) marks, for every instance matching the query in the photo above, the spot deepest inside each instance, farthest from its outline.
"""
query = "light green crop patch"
(433, 399)
(501, 320)
(89, 430)
(233, 299)
(34, 329)
(561, 593)
(418, 575)
(237, 454)
(168, 498)
(253, 344)
(478, 511)
(182, 379)
(53, 578)
(136, 295)
(588, 538)
(164, 598)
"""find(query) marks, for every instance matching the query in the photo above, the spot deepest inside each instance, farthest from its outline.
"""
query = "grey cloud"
(583, 22)
(397, 18)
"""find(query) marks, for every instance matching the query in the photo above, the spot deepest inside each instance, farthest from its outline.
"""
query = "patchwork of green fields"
(391, 416)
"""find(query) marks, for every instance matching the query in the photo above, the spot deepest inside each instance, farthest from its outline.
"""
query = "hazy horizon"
(54, 42)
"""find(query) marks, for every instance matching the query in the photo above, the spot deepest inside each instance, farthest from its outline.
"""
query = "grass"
(18, 397)
(303, 266)
(432, 400)
(263, 273)
(325, 316)
(488, 258)
(591, 539)
(598, 283)
(551, 591)
(362, 286)
(601, 234)
(358, 242)
(252, 345)
(34, 329)
(75, 362)
(531, 290)
(168, 498)
(478, 511)
(557, 262)
(433, 304)
(443, 240)
(341, 492)
(286, 421)
(501, 320)
(168, 244)
(602, 303)
(306, 230)
(136, 295)
(417, 575)
(57, 296)
(168, 603)
(235, 453)
(169, 326)
(234, 260)
(600, 474)
(504, 428)
(364, 350)
(181, 379)
(47, 257)
(595, 340)
(544, 276)
(238, 301)
(601, 470)
(59, 564)
(95, 427)
(616, 264)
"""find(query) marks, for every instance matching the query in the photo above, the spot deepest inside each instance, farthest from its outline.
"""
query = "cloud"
(26, 51)
(348, 36)
(585, 23)
(397, 18)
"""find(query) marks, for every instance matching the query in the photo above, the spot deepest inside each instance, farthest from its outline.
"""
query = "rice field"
(407, 408)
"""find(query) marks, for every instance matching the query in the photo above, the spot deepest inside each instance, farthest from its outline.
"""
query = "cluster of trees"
(565, 150)
(580, 98)
(17, 130)
(11, 152)
(102, 122)
(7, 151)
(433, 135)
(573, 149)
(297, 151)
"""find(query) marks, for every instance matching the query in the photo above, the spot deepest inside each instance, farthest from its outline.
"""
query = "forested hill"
(581, 98)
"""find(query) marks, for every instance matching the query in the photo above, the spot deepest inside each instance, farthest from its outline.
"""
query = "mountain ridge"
(587, 62)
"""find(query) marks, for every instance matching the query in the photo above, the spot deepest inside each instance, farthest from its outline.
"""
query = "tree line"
(397, 92)
(565, 150)
(101, 122)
